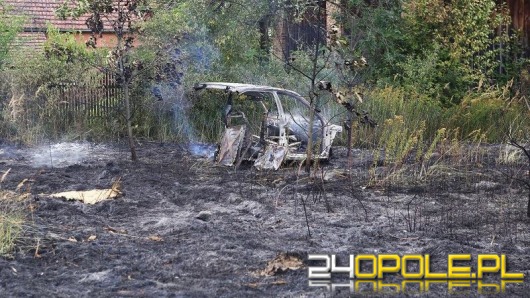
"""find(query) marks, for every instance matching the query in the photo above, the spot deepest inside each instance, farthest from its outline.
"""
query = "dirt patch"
(185, 227)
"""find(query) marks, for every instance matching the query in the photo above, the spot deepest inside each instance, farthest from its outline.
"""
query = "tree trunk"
(350, 134)
(314, 97)
(125, 80)
(130, 136)
(309, 152)
(264, 40)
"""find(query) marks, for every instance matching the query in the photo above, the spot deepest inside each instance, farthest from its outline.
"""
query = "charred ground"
(186, 227)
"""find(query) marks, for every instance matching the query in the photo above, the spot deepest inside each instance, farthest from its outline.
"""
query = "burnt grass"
(187, 228)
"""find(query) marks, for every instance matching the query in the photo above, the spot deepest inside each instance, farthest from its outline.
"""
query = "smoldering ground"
(186, 227)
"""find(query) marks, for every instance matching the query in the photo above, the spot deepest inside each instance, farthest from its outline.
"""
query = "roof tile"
(42, 12)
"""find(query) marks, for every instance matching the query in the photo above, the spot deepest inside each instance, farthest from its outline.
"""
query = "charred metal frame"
(274, 149)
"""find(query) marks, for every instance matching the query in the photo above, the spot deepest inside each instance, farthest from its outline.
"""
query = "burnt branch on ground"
(525, 181)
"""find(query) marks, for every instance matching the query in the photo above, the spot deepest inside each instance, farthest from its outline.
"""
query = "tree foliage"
(443, 56)
(125, 19)
(443, 52)
(10, 26)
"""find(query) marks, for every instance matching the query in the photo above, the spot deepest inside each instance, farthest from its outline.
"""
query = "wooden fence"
(72, 103)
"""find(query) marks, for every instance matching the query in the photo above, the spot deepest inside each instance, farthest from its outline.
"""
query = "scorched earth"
(186, 227)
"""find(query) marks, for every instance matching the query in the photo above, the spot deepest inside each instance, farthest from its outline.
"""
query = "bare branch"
(516, 144)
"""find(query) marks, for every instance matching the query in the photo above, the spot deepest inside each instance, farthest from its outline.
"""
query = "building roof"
(41, 12)
(38, 14)
(30, 40)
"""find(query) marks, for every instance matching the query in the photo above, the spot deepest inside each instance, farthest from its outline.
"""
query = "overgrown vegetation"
(456, 68)
(416, 71)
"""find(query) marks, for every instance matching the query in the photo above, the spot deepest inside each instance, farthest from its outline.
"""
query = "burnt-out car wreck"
(269, 126)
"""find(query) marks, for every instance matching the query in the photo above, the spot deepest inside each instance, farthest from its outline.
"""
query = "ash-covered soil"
(188, 228)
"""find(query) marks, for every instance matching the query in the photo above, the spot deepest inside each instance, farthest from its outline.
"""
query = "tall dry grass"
(13, 220)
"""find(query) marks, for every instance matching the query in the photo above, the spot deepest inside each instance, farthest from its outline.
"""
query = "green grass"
(491, 112)
(12, 221)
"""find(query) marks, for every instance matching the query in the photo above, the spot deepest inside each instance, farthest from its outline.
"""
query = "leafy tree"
(30, 79)
(460, 41)
(240, 29)
(443, 52)
(125, 19)
(310, 61)
(10, 26)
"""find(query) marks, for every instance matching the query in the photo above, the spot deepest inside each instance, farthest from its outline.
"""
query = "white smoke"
(61, 155)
